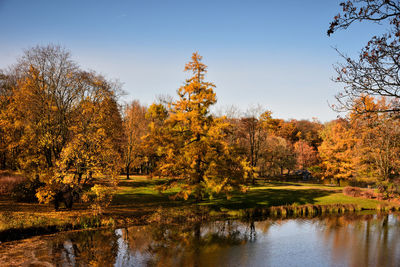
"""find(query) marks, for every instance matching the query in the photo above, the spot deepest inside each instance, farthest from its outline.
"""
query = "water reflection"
(371, 240)
(351, 240)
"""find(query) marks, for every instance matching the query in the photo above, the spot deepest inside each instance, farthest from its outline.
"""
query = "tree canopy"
(63, 123)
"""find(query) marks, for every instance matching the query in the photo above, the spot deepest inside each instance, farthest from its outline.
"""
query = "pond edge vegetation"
(199, 214)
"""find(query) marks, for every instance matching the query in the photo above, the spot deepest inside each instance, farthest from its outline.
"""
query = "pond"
(347, 240)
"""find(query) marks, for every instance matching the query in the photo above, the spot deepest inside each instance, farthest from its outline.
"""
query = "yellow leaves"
(338, 150)
(186, 194)
(63, 124)
(217, 186)
(156, 112)
(101, 132)
(196, 66)
(247, 168)
(45, 194)
(100, 197)
(244, 188)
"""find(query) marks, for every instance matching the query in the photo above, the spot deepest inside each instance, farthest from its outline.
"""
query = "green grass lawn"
(141, 193)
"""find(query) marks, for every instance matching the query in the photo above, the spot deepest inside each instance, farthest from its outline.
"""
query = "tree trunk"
(199, 173)
(3, 159)
(127, 172)
(47, 154)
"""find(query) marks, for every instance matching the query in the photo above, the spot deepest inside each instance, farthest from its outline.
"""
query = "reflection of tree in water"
(94, 248)
(152, 245)
(367, 240)
(184, 245)
(354, 240)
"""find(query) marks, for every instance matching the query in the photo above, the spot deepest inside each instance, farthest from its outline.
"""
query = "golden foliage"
(190, 142)
(64, 123)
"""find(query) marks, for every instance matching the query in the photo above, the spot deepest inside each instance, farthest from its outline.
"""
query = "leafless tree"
(376, 71)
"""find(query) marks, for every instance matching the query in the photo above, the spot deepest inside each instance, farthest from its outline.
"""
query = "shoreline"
(253, 214)
(138, 202)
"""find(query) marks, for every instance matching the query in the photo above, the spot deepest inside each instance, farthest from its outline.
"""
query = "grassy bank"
(141, 193)
(138, 201)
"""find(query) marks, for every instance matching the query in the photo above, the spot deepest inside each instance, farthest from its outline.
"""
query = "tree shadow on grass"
(142, 183)
(269, 197)
(251, 199)
(257, 197)
(142, 200)
(277, 184)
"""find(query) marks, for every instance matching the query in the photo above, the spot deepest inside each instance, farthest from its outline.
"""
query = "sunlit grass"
(27, 220)
(343, 199)
(142, 191)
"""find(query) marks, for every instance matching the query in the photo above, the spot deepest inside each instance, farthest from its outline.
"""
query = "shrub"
(389, 189)
(316, 171)
(352, 191)
(87, 222)
(26, 190)
(8, 181)
(100, 198)
(368, 194)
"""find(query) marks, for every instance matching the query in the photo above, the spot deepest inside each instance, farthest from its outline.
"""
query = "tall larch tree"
(193, 147)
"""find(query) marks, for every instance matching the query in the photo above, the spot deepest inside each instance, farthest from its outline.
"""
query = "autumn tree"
(95, 146)
(192, 140)
(376, 71)
(7, 151)
(309, 131)
(285, 129)
(66, 121)
(337, 150)
(278, 156)
(273, 146)
(364, 146)
(45, 94)
(379, 139)
(253, 132)
(135, 128)
(156, 117)
(306, 156)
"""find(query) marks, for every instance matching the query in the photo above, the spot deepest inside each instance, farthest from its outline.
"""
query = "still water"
(348, 240)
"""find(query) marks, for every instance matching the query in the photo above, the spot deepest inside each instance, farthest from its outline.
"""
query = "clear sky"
(272, 53)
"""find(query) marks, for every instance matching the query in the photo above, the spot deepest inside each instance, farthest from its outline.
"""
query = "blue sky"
(272, 53)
